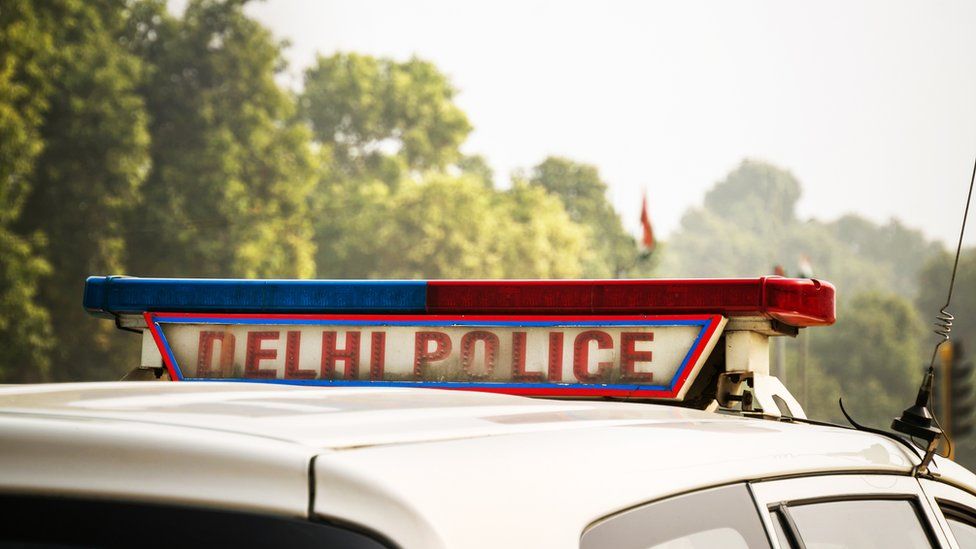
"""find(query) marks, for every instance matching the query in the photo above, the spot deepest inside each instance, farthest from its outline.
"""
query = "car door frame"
(769, 494)
(936, 491)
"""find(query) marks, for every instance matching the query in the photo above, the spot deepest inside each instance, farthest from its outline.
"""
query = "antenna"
(917, 420)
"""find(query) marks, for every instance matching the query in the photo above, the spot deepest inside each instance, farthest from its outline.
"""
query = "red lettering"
(581, 356)
(293, 345)
(518, 360)
(555, 356)
(468, 343)
(422, 353)
(205, 354)
(331, 354)
(255, 354)
(377, 357)
(629, 355)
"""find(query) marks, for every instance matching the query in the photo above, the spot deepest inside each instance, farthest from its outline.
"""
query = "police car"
(467, 414)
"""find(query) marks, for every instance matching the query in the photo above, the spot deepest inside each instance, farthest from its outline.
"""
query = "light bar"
(796, 302)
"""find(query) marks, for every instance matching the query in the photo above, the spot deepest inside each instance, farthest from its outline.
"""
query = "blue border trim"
(273, 321)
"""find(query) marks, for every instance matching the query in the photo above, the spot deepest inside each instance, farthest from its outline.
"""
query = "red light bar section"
(796, 302)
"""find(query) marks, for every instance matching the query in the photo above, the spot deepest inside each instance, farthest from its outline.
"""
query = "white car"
(370, 455)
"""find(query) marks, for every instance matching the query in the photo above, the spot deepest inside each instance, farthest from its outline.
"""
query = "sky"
(872, 105)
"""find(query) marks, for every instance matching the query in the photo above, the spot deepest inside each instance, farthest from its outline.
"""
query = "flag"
(647, 238)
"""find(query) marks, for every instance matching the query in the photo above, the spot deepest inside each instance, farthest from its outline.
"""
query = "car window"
(48, 522)
(962, 523)
(964, 532)
(862, 523)
(718, 517)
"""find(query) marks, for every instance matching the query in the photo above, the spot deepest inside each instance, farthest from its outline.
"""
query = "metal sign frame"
(710, 327)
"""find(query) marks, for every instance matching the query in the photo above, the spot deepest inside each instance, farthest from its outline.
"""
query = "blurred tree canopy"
(90, 167)
(231, 171)
(871, 358)
(381, 117)
(26, 50)
(934, 286)
(748, 225)
(584, 195)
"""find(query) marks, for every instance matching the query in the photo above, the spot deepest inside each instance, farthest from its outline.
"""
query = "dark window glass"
(964, 532)
(721, 517)
(961, 522)
(867, 524)
(36, 521)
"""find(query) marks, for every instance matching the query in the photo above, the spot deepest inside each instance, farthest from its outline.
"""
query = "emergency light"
(795, 302)
(609, 338)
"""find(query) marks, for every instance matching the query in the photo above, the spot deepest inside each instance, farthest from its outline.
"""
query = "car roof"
(413, 463)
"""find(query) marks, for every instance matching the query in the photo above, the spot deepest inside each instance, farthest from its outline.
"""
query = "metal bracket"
(757, 392)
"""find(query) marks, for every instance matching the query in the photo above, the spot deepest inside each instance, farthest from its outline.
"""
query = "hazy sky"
(872, 105)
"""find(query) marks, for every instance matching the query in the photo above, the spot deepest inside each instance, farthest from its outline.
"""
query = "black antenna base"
(916, 420)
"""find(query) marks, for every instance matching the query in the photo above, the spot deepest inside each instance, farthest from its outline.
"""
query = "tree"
(707, 245)
(755, 187)
(348, 215)
(26, 45)
(742, 229)
(395, 196)
(382, 117)
(872, 355)
(477, 166)
(900, 252)
(584, 195)
(88, 174)
(933, 286)
(538, 239)
(231, 173)
(449, 227)
(748, 224)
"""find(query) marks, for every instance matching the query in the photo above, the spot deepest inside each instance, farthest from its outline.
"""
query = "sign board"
(624, 356)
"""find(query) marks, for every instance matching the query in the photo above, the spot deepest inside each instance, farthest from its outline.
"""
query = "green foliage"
(382, 117)
(396, 199)
(584, 194)
(893, 249)
(538, 238)
(89, 172)
(696, 251)
(477, 166)
(756, 187)
(231, 174)
(871, 357)
(934, 285)
(748, 225)
(25, 327)
(26, 46)
(445, 227)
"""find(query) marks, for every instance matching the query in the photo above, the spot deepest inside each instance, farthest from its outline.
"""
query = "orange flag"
(647, 239)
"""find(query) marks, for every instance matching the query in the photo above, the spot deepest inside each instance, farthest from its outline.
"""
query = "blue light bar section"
(107, 296)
